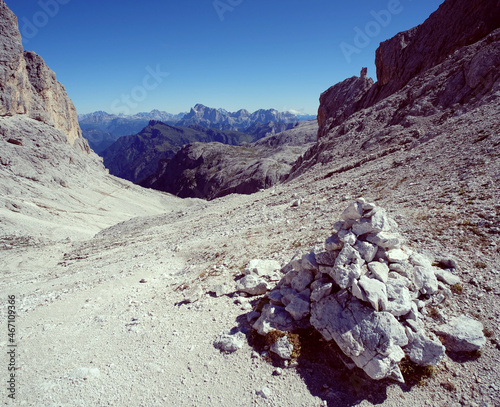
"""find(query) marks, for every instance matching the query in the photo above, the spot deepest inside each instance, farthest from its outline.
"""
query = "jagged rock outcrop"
(341, 101)
(457, 23)
(368, 292)
(29, 87)
(433, 66)
(211, 170)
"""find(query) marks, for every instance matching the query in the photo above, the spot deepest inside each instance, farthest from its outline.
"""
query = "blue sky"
(127, 56)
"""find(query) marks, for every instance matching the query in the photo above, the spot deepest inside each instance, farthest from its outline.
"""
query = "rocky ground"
(90, 332)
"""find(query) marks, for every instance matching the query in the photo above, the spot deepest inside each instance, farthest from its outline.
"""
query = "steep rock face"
(29, 87)
(341, 100)
(457, 23)
(454, 26)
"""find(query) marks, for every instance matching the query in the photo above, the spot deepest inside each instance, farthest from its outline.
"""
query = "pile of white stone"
(366, 291)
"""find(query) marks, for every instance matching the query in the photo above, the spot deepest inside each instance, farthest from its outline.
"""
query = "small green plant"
(457, 289)
(415, 374)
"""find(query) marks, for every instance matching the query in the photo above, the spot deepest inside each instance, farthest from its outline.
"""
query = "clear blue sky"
(115, 55)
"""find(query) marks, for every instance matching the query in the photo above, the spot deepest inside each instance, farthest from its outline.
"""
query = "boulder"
(230, 343)
(302, 280)
(273, 317)
(262, 267)
(385, 240)
(462, 334)
(253, 285)
(371, 339)
(446, 276)
(380, 270)
(375, 292)
(298, 308)
(347, 267)
(425, 279)
(366, 250)
(424, 349)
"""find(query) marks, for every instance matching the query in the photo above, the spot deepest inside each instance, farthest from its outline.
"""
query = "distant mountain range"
(102, 129)
(136, 157)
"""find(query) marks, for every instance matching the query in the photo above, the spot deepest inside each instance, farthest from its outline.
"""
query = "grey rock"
(424, 350)
(333, 243)
(353, 212)
(385, 240)
(366, 250)
(298, 308)
(380, 270)
(264, 392)
(348, 237)
(326, 258)
(276, 297)
(462, 334)
(309, 262)
(283, 348)
(253, 285)
(347, 267)
(362, 227)
(230, 343)
(273, 317)
(322, 291)
(252, 316)
(85, 373)
(262, 267)
(399, 299)
(375, 292)
(446, 276)
(371, 339)
(302, 280)
(425, 280)
(287, 294)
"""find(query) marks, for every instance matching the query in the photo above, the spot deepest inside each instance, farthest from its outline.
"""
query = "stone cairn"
(366, 291)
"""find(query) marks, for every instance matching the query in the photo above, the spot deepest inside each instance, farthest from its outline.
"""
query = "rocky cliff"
(412, 54)
(29, 87)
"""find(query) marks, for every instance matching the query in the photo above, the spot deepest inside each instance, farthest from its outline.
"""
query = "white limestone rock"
(230, 343)
(366, 250)
(348, 237)
(425, 279)
(298, 308)
(273, 317)
(373, 340)
(283, 348)
(380, 270)
(262, 267)
(375, 291)
(385, 240)
(424, 349)
(446, 277)
(253, 285)
(397, 256)
(399, 299)
(309, 262)
(463, 334)
(326, 258)
(347, 267)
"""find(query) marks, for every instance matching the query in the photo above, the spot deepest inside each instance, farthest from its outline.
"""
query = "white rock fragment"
(348, 237)
(425, 279)
(397, 256)
(253, 285)
(85, 373)
(333, 243)
(354, 211)
(447, 277)
(463, 334)
(385, 240)
(230, 343)
(273, 317)
(366, 250)
(347, 267)
(321, 291)
(264, 392)
(399, 299)
(380, 270)
(423, 349)
(375, 291)
(298, 308)
(262, 267)
(283, 348)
